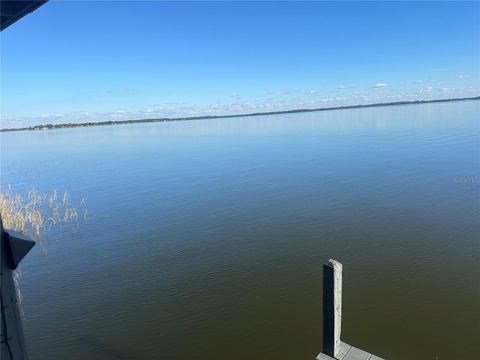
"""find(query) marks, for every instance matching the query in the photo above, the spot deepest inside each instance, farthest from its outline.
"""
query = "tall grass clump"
(34, 213)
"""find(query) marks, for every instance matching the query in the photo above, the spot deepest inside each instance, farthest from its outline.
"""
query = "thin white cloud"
(305, 99)
(424, 90)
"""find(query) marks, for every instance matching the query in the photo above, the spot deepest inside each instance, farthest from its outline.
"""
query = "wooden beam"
(332, 308)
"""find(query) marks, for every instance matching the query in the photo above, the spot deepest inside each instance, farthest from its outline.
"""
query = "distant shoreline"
(141, 121)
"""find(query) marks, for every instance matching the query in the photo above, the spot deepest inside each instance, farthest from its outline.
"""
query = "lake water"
(205, 239)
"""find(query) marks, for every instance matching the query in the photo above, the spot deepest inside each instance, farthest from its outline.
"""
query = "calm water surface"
(205, 239)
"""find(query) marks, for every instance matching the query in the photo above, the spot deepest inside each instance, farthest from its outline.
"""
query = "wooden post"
(332, 308)
(13, 247)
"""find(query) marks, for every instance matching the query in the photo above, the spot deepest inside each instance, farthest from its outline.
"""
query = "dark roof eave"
(12, 11)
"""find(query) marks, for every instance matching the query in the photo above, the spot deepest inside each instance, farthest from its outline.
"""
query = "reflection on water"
(206, 238)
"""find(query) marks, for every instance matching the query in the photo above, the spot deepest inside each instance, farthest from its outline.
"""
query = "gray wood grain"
(332, 307)
(348, 352)
(333, 347)
(356, 354)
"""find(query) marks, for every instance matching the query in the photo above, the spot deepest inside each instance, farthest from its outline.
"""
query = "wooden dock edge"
(13, 247)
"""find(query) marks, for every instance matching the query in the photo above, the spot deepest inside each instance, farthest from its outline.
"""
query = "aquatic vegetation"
(35, 213)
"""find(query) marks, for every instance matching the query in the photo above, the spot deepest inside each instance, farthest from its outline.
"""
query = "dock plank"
(356, 354)
(349, 352)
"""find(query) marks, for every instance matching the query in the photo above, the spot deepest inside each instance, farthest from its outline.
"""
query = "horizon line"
(208, 117)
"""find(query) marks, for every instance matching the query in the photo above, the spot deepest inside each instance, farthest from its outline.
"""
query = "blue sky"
(97, 61)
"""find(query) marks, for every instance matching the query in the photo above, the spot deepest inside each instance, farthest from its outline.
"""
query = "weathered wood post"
(333, 347)
(332, 308)
(13, 247)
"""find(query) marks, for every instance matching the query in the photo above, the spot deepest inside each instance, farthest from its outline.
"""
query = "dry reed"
(34, 213)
